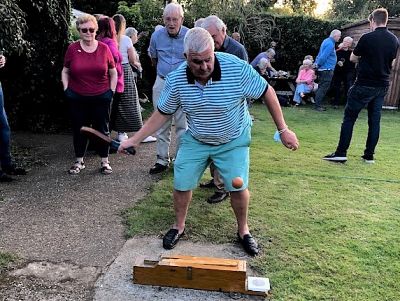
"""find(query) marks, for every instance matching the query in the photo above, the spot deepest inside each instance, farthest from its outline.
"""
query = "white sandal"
(76, 168)
(105, 168)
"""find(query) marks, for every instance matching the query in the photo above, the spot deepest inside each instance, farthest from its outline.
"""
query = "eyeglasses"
(85, 30)
(171, 20)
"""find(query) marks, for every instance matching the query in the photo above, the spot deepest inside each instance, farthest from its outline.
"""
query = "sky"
(322, 6)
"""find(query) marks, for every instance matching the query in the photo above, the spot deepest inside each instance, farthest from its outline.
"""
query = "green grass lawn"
(328, 231)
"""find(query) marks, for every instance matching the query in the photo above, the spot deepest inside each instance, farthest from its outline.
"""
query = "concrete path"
(52, 216)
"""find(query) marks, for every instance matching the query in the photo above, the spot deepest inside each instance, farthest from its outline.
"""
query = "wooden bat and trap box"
(204, 273)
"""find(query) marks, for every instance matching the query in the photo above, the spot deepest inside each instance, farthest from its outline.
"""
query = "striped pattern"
(126, 115)
(216, 113)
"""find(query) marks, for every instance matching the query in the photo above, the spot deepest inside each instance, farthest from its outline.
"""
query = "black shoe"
(249, 244)
(368, 159)
(208, 184)
(4, 178)
(14, 171)
(335, 158)
(171, 238)
(157, 168)
(218, 197)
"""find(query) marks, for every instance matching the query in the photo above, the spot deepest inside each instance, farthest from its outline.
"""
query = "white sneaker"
(149, 139)
(122, 137)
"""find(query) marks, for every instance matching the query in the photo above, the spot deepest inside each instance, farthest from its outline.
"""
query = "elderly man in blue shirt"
(325, 63)
(211, 88)
(166, 52)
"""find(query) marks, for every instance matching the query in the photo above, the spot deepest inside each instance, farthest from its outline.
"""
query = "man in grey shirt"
(223, 43)
(166, 52)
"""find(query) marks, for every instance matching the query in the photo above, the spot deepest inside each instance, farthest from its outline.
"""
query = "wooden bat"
(100, 138)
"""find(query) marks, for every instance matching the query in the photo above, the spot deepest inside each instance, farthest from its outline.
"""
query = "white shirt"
(124, 44)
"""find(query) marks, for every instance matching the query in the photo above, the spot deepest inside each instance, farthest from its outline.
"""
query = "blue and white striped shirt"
(217, 112)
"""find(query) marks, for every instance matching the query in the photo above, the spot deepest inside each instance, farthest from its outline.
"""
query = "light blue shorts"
(231, 159)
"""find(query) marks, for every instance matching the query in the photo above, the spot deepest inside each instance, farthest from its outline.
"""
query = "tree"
(32, 79)
(13, 27)
(360, 9)
(302, 6)
(108, 8)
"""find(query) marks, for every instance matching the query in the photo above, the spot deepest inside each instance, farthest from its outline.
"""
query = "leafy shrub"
(32, 75)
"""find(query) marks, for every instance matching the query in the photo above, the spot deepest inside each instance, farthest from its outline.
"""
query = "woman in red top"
(89, 78)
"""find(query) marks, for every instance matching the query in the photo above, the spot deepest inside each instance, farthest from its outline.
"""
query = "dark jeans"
(93, 111)
(338, 79)
(324, 82)
(358, 98)
(5, 155)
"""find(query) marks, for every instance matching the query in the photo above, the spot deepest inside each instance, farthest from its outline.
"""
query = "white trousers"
(164, 133)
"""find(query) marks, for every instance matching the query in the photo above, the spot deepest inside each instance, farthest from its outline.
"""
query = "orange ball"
(237, 182)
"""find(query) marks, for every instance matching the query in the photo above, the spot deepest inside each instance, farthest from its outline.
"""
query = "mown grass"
(328, 231)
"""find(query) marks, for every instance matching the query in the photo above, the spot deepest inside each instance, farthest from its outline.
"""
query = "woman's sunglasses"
(85, 30)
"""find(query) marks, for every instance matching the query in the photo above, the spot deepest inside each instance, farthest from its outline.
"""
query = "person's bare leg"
(181, 205)
(240, 205)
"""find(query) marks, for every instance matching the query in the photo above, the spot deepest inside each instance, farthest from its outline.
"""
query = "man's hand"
(289, 140)
(126, 144)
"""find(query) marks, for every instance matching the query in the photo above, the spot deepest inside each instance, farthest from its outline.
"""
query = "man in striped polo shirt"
(211, 88)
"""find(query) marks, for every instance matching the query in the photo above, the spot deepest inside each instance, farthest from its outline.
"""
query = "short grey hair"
(199, 22)
(263, 63)
(271, 51)
(130, 31)
(158, 27)
(213, 20)
(349, 39)
(335, 32)
(197, 40)
(172, 8)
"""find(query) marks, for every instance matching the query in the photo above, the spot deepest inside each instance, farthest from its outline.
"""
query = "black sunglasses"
(85, 30)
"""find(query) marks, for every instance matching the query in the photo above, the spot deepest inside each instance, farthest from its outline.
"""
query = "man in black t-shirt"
(375, 54)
